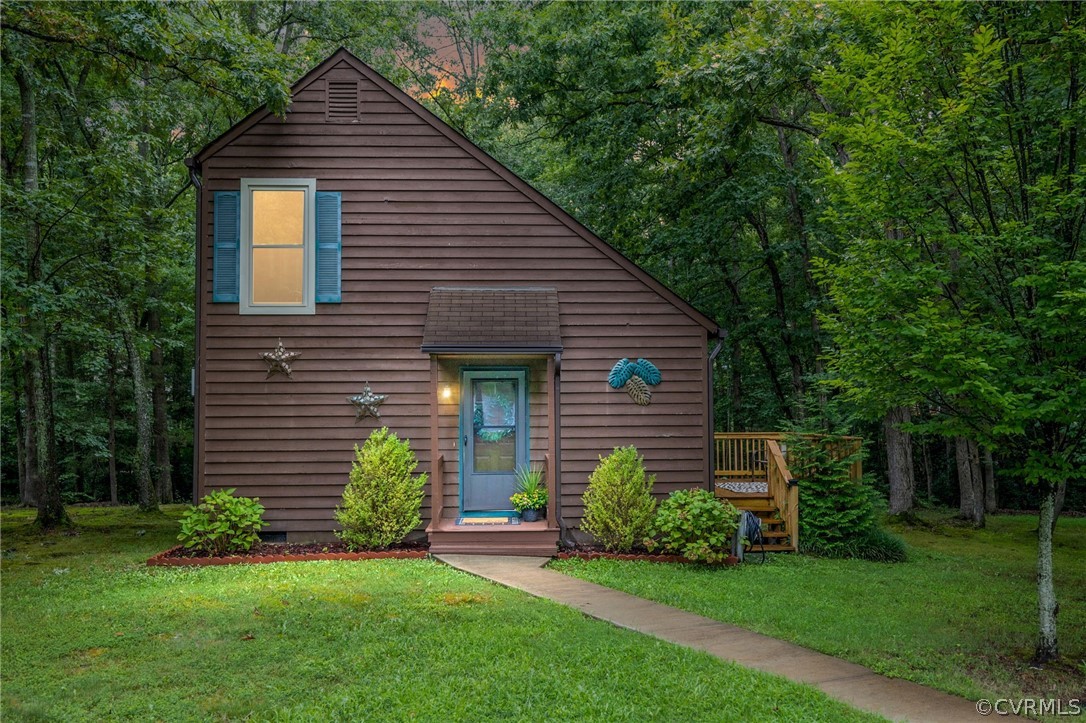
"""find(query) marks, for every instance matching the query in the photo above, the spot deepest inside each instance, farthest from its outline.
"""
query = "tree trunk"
(163, 479)
(147, 499)
(1061, 497)
(991, 499)
(735, 387)
(51, 512)
(787, 341)
(41, 440)
(26, 487)
(925, 455)
(1047, 607)
(970, 481)
(899, 460)
(111, 411)
(731, 274)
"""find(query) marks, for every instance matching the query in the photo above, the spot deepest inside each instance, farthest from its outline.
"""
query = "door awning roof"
(519, 320)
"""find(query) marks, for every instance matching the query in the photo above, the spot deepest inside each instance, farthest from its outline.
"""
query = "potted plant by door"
(530, 499)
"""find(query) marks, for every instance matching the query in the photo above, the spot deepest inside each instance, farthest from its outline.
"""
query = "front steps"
(528, 539)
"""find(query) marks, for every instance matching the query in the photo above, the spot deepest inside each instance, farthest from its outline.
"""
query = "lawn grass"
(959, 615)
(90, 633)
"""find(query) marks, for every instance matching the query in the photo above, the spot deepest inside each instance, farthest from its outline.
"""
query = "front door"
(494, 437)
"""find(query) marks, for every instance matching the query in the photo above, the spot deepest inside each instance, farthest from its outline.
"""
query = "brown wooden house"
(387, 251)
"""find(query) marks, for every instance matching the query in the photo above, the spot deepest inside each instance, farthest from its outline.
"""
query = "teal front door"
(493, 435)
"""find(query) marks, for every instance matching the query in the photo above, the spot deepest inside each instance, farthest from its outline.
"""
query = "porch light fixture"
(446, 392)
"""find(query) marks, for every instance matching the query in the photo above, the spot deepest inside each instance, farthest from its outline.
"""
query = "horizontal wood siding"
(420, 212)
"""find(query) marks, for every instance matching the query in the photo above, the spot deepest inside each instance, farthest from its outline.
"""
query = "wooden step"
(739, 498)
(775, 533)
(531, 539)
(772, 547)
(755, 504)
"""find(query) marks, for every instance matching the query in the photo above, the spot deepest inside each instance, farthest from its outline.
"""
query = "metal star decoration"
(279, 360)
(367, 403)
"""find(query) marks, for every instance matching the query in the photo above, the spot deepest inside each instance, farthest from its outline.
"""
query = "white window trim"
(309, 245)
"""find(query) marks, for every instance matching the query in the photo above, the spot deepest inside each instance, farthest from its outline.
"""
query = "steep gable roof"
(344, 55)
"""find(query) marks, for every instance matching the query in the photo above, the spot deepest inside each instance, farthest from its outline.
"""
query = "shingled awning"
(489, 320)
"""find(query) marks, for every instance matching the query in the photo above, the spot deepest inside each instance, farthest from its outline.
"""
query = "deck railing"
(783, 490)
(762, 457)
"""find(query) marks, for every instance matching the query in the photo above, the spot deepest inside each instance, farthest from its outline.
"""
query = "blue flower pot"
(530, 515)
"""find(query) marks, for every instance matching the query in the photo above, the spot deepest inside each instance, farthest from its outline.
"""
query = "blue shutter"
(227, 248)
(329, 247)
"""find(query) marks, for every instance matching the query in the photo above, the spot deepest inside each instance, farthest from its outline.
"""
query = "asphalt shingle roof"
(492, 319)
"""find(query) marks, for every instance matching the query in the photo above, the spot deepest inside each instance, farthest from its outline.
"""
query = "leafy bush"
(382, 500)
(618, 504)
(531, 491)
(222, 523)
(837, 515)
(695, 524)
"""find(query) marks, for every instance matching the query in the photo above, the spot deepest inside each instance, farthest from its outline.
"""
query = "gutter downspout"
(563, 529)
(198, 184)
(721, 334)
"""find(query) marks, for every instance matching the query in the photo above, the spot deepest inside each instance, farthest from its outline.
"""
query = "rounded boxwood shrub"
(382, 500)
(618, 504)
(695, 524)
(222, 523)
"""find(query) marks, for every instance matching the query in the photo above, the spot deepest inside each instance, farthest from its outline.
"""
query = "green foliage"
(694, 524)
(618, 503)
(222, 523)
(836, 512)
(531, 491)
(960, 287)
(382, 500)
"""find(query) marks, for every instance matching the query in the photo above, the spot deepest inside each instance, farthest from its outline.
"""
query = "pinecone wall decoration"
(636, 377)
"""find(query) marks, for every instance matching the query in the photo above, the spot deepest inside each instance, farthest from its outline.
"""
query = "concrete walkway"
(851, 683)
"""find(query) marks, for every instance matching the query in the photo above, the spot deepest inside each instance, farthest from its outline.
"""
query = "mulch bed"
(585, 552)
(265, 552)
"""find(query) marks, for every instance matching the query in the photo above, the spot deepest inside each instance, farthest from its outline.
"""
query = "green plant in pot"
(530, 499)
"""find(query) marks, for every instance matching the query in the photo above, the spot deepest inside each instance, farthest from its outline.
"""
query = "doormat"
(488, 521)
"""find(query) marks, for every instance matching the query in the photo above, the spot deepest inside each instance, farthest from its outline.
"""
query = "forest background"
(881, 203)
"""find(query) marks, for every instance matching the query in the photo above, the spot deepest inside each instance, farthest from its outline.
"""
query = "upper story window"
(278, 246)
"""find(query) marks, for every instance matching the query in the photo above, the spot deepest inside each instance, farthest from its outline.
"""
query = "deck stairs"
(751, 471)
(775, 533)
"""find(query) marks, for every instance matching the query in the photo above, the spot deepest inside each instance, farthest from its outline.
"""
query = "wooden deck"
(751, 471)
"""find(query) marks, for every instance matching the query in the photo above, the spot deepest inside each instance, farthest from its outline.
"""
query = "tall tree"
(964, 128)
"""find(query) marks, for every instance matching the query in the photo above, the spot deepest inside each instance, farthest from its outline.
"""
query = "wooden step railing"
(783, 490)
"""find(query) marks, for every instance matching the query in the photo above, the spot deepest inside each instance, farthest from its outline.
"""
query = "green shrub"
(531, 491)
(877, 545)
(222, 523)
(382, 500)
(838, 516)
(618, 504)
(695, 524)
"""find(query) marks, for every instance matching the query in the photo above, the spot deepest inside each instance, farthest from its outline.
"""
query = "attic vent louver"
(342, 99)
